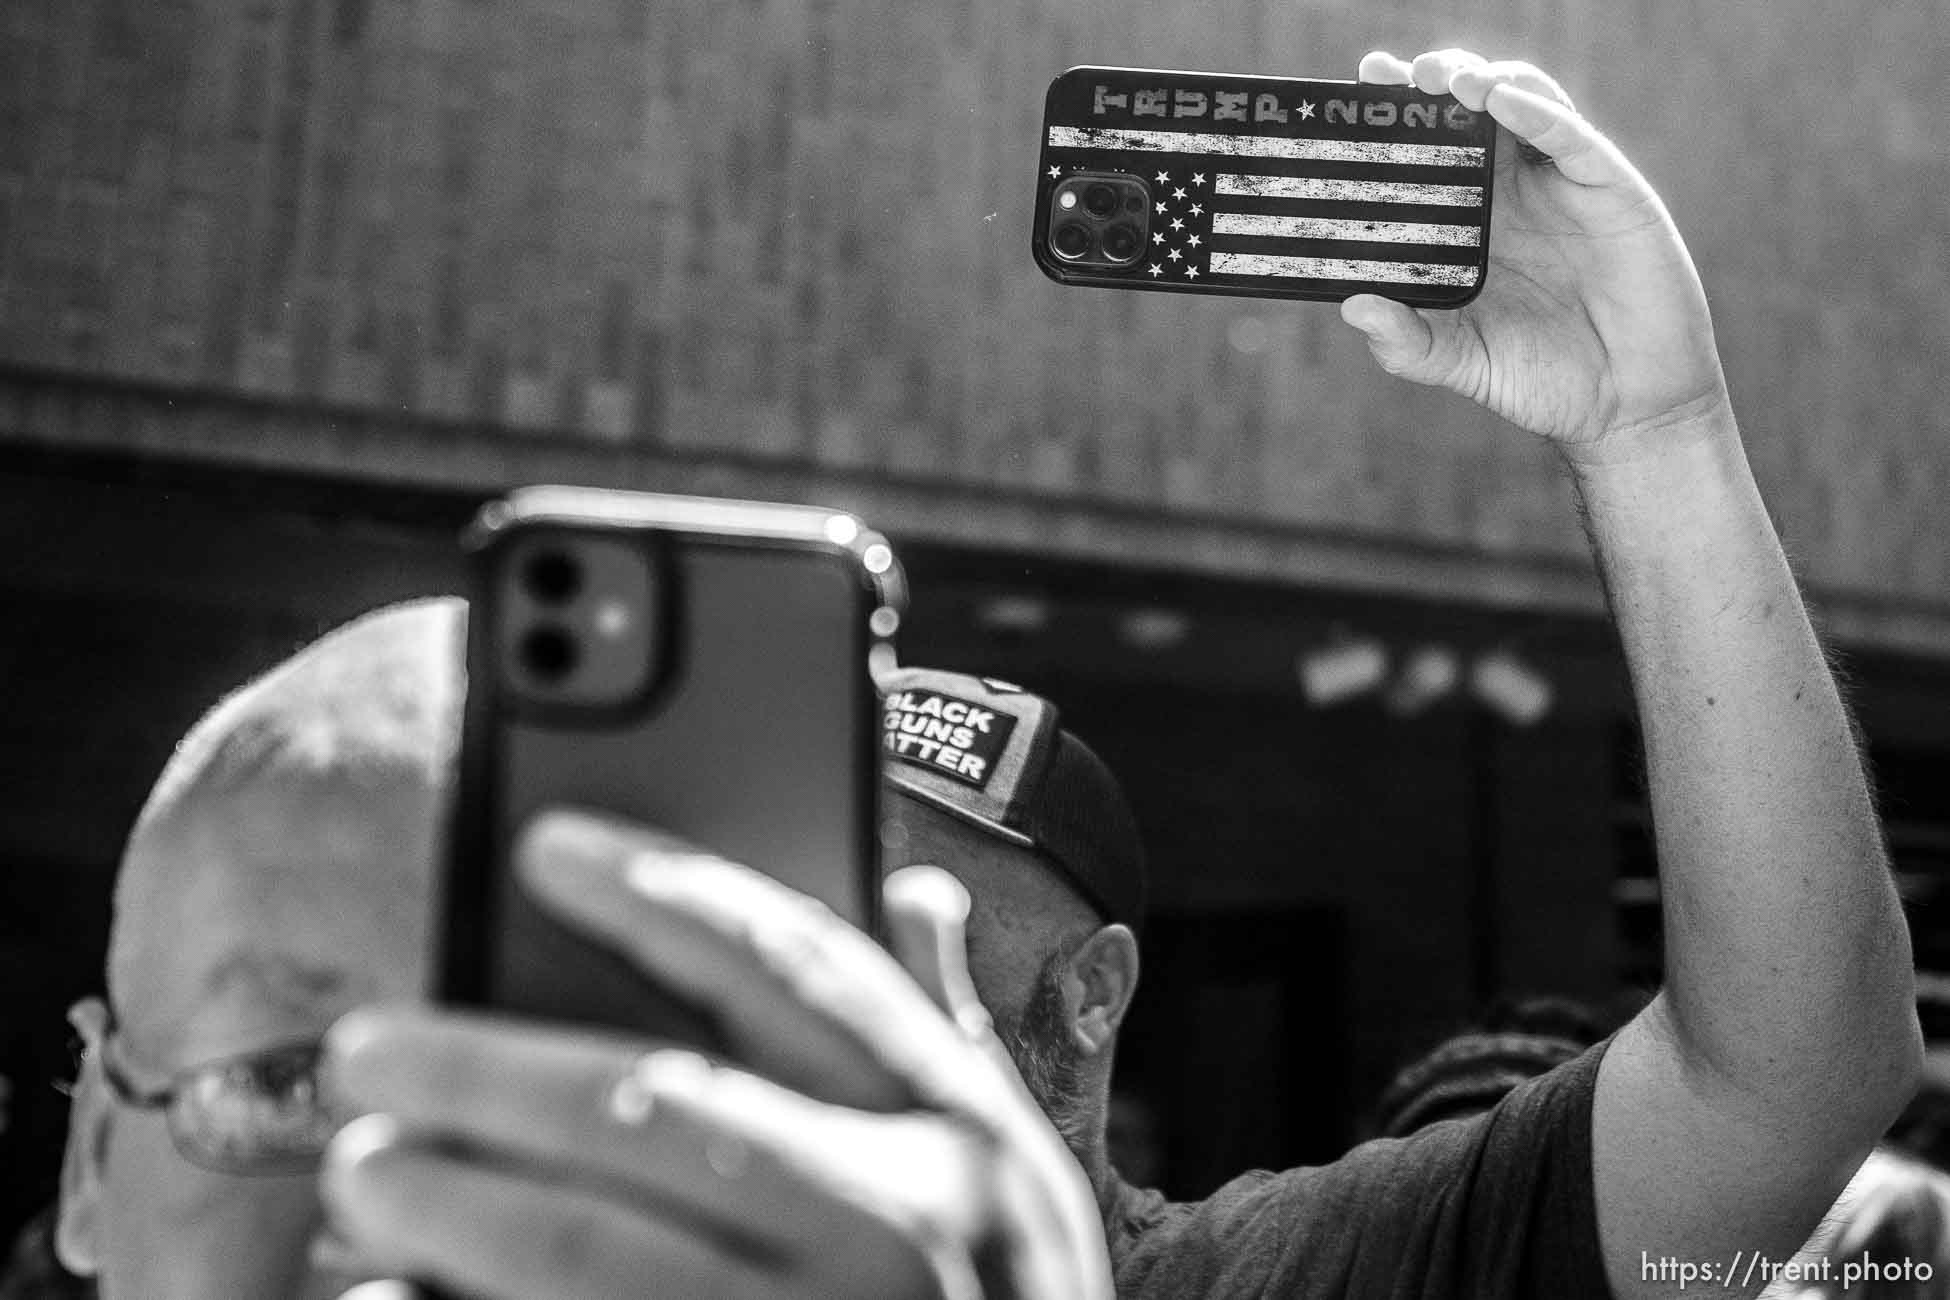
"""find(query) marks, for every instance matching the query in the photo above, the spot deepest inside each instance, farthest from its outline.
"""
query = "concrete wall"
(795, 232)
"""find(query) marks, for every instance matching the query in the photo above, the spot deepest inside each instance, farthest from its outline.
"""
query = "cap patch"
(946, 734)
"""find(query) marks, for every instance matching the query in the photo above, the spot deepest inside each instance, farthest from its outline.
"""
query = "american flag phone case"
(1270, 187)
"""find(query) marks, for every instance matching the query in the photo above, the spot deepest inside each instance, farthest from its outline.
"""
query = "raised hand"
(1592, 328)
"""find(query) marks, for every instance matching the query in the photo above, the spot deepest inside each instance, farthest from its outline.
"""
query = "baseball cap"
(994, 756)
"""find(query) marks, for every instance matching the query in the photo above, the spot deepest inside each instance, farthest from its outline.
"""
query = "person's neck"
(1096, 1167)
(1106, 1184)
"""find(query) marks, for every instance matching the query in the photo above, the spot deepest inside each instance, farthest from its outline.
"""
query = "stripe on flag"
(1261, 225)
(1340, 268)
(1307, 187)
(1267, 146)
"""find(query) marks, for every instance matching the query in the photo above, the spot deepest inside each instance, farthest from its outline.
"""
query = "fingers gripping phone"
(699, 666)
(1269, 187)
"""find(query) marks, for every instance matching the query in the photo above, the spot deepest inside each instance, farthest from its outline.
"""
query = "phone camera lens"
(1100, 200)
(549, 653)
(1071, 240)
(552, 577)
(1134, 204)
(1121, 243)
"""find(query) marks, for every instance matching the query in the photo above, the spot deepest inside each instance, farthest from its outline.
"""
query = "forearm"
(1787, 960)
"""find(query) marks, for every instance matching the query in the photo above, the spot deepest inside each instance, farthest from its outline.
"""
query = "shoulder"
(1309, 1223)
(1395, 1214)
(1226, 1244)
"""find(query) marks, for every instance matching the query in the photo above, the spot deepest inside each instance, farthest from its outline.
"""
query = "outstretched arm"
(1731, 1112)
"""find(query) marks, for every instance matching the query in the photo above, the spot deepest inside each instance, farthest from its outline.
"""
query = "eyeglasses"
(260, 1113)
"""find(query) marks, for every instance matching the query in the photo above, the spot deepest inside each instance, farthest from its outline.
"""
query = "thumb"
(927, 917)
(1421, 347)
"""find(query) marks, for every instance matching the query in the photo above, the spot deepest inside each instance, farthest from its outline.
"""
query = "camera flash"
(1066, 200)
(612, 619)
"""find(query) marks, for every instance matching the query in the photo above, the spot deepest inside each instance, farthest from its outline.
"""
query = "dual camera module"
(552, 578)
(577, 620)
(1099, 218)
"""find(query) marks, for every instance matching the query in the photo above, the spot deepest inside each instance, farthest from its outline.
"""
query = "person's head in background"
(1514, 1041)
(1891, 1224)
(1891, 1227)
(278, 876)
(988, 786)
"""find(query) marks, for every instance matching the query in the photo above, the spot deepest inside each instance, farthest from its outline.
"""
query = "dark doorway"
(1234, 1048)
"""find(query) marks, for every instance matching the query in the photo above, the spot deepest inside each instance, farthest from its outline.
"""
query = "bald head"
(375, 700)
(350, 741)
(280, 874)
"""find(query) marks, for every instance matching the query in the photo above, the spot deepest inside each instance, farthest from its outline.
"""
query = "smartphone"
(701, 666)
(1268, 187)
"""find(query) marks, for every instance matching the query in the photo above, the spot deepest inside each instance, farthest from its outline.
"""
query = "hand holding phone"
(881, 1150)
(1593, 320)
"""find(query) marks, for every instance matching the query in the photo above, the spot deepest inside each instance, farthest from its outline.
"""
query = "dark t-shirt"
(1494, 1207)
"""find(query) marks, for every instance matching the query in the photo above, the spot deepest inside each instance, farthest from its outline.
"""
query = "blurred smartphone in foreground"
(697, 665)
(1270, 187)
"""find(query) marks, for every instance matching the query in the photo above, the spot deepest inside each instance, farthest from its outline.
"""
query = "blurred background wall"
(287, 285)
(792, 234)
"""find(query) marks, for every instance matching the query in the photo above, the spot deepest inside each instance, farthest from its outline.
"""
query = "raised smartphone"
(696, 665)
(1270, 187)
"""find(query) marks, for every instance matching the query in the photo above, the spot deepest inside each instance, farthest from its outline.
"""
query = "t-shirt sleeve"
(1494, 1207)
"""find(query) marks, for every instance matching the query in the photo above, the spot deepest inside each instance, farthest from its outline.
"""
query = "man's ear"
(1104, 974)
(77, 1229)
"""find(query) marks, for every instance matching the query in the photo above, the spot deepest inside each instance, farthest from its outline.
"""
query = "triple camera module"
(1099, 218)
